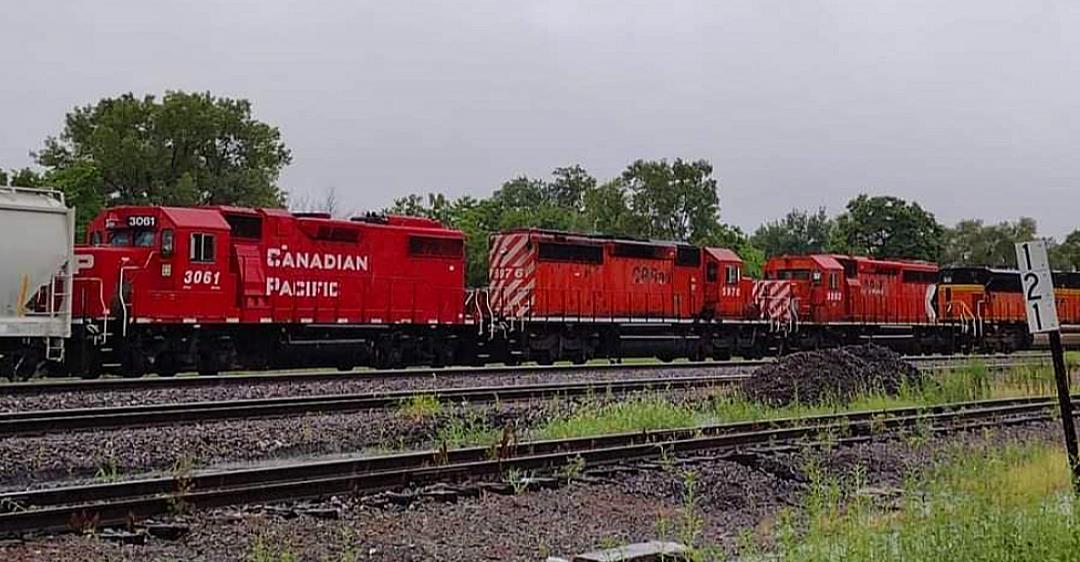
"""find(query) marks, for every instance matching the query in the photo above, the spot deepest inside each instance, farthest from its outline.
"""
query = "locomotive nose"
(98, 272)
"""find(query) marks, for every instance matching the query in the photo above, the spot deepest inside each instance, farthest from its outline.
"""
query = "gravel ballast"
(102, 455)
(647, 501)
(346, 384)
(832, 375)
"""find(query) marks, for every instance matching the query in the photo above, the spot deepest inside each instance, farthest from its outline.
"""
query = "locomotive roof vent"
(312, 215)
(372, 218)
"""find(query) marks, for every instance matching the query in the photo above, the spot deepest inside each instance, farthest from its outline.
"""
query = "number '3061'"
(202, 277)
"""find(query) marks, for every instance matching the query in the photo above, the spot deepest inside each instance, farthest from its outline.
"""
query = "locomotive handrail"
(120, 293)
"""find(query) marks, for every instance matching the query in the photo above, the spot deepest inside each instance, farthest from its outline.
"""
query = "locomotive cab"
(145, 265)
(817, 285)
(153, 262)
(726, 290)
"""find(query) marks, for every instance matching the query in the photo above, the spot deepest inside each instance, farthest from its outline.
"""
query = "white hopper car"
(37, 233)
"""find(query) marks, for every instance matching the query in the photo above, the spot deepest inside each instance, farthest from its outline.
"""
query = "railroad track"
(189, 381)
(124, 503)
(39, 422)
(42, 422)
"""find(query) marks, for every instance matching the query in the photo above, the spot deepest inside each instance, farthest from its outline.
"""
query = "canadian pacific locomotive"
(164, 289)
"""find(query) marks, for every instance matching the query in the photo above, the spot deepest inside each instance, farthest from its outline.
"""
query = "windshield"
(128, 237)
(797, 274)
(120, 238)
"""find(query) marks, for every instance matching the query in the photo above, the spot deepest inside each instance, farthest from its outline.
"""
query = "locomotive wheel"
(90, 369)
(209, 365)
(580, 358)
(543, 357)
(165, 365)
(387, 356)
(134, 365)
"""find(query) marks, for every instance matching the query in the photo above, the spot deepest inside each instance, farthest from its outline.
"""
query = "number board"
(142, 221)
(1037, 285)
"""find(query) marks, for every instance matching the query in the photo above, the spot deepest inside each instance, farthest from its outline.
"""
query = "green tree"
(888, 227)
(568, 187)
(799, 232)
(1066, 255)
(184, 149)
(673, 201)
(606, 209)
(25, 177)
(971, 242)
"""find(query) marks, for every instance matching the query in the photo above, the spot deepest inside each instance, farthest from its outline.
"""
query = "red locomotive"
(580, 296)
(848, 299)
(162, 289)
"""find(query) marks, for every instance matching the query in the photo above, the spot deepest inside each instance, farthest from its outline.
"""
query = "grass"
(655, 411)
(266, 547)
(990, 504)
(419, 407)
(472, 429)
(635, 414)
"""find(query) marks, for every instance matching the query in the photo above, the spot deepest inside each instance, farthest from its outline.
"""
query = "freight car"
(37, 230)
(164, 289)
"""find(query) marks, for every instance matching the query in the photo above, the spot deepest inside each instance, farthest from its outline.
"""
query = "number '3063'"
(202, 277)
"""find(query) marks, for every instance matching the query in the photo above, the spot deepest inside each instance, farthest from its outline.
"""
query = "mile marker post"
(1037, 285)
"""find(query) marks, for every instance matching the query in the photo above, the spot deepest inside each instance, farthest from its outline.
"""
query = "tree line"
(198, 149)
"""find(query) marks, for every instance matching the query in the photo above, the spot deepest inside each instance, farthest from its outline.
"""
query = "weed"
(518, 480)
(109, 471)
(471, 429)
(182, 470)
(419, 407)
(691, 522)
(981, 502)
(636, 414)
(262, 551)
(573, 468)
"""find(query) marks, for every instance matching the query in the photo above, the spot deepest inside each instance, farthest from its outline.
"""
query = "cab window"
(202, 248)
(95, 238)
(794, 274)
(144, 238)
(815, 278)
(168, 243)
(711, 273)
(732, 275)
(120, 238)
(834, 280)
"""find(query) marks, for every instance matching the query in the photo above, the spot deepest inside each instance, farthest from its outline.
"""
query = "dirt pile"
(816, 377)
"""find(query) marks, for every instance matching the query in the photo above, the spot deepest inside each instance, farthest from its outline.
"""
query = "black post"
(1061, 375)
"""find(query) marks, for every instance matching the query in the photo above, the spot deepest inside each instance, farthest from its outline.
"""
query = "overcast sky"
(970, 107)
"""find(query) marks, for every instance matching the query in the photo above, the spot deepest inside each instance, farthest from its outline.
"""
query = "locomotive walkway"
(124, 503)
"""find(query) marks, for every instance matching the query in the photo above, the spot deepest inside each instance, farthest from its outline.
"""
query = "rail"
(187, 381)
(86, 507)
(42, 422)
